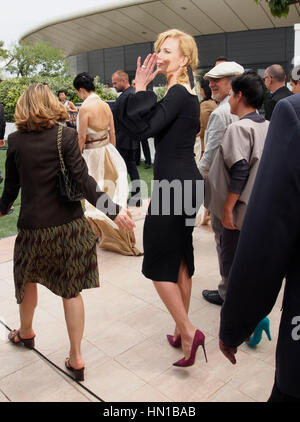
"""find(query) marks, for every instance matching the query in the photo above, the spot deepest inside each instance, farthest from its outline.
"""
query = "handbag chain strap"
(59, 137)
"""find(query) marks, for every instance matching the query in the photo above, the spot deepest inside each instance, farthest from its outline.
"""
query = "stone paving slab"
(125, 349)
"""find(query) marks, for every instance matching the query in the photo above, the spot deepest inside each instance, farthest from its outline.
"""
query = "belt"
(97, 140)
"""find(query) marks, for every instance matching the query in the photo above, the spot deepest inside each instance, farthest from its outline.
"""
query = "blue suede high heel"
(263, 325)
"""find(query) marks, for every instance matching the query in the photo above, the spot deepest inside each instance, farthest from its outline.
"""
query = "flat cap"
(224, 69)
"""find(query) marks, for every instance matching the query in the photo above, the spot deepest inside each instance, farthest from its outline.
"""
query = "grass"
(146, 176)
(8, 224)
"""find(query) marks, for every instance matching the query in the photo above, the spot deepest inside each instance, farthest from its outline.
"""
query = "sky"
(19, 16)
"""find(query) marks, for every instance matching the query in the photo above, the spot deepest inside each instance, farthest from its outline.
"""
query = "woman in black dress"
(177, 191)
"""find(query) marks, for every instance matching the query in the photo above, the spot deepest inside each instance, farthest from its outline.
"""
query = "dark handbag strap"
(59, 138)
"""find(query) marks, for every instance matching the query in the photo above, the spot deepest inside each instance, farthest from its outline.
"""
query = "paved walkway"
(125, 349)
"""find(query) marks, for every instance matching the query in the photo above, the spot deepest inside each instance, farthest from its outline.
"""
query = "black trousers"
(278, 397)
(146, 152)
(129, 158)
(229, 242)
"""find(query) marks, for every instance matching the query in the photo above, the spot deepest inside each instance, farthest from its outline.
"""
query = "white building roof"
(123, 22)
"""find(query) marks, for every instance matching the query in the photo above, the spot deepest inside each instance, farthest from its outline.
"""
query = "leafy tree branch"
(279, 8)
(28, 60)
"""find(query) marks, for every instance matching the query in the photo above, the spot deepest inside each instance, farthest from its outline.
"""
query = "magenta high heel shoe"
(199, 340)
(174, 343)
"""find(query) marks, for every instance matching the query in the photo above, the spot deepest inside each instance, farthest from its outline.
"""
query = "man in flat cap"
(220, 84)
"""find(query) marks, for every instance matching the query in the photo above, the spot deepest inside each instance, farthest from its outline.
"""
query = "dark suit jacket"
(269, 249)
(123, 139)
(2, 123)
(32, 164)
(282, 92)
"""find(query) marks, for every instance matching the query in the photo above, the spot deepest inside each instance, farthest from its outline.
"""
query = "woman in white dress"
(96, 137)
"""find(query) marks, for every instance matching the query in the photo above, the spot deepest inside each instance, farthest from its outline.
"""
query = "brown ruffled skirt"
(61, 258)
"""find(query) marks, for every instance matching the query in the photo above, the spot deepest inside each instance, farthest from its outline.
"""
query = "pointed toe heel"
(199, 340)
(267, 331)
(263, 325)
(174, 343)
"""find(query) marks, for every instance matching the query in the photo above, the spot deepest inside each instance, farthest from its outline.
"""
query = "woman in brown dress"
(55, 245)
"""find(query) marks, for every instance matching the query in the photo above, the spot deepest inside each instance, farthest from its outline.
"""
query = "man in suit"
(268, 251)
(125, 144)
(275, 78)
(145, 146)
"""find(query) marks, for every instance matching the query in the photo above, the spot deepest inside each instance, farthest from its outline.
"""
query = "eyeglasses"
(267, 77)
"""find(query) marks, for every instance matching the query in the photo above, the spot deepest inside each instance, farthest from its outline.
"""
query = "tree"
(38, 59)
(3, 52)
(11, 89)
(279, 8)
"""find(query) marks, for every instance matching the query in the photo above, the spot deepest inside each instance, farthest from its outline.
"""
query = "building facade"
(111, 36)
(255, 49)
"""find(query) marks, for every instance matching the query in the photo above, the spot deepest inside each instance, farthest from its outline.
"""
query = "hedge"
(11, 89)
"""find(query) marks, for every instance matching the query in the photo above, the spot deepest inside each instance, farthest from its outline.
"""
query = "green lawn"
(8, 225)
(146, 177)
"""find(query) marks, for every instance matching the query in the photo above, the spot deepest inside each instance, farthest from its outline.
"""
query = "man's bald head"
(122, 75)
(274, 77)
(276, 72)
(120, 80)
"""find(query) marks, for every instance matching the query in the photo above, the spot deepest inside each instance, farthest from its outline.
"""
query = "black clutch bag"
(67, 189)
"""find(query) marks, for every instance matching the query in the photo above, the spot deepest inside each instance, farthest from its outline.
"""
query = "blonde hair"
(188, 48)
(38, 109)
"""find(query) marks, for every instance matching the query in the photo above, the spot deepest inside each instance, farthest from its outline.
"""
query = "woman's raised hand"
(124, 221)
(145, 73)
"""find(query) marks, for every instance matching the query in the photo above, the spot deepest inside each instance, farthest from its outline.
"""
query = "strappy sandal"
(78, 373)
(27, 342)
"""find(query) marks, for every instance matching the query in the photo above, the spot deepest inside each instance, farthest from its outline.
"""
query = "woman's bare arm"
(72, 107)
(112, 133)
(83, 125)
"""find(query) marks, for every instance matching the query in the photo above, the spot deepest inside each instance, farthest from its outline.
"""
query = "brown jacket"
(32, 164)
(206, 108)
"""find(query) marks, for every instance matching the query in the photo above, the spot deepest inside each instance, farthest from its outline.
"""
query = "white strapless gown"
(108, 168)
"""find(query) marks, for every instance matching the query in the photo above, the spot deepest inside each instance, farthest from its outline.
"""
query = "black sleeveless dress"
(178, 185)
